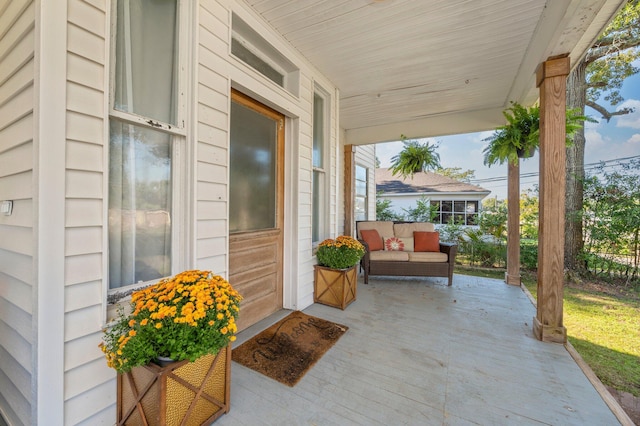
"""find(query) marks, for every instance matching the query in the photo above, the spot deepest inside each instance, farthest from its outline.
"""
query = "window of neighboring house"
(463, 212)
(146, 136)
(362, 176)
(319, 228)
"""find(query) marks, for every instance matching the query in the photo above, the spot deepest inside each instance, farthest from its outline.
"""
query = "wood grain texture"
(548, 325)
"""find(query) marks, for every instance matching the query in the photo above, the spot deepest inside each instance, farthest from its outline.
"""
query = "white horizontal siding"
(84, 184)
(18, 107)
(16, 133)
(212, 94)
(84, 128)
(84, 212)
(17, 57)
(89, 392)
(16, 83)
(99, 401)
(16, 160)
(85, 72)
(16, 187)
(14, 287)
(83, 240)
(18, 239)
(17, 95)
(85, 156)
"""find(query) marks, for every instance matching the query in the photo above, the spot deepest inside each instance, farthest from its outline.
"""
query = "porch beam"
(349, 191)
(551, 81)
(512, 276)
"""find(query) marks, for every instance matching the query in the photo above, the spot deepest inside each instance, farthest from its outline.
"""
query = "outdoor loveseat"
(405, 249)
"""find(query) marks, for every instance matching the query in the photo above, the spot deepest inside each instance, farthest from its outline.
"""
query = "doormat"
(289, 348)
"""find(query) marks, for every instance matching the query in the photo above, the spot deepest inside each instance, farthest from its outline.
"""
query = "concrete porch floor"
(420, 353)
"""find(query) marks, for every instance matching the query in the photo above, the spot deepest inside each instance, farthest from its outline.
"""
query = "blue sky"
(619, 138)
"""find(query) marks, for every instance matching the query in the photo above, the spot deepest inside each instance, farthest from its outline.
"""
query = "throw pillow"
(426, 241)
(393, 244)
(372, 238)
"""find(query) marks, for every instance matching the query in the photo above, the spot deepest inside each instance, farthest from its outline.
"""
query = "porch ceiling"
(433, 67)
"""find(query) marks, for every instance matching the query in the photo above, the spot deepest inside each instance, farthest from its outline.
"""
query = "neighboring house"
(142, 138)
(450, 197)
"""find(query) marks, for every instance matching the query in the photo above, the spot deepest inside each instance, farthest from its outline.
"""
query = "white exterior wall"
(88, 386)
(54, 166)
(17, 233)
(406, 201)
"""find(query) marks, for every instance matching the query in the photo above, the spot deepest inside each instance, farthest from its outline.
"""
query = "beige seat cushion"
(405, 230)
(383, 227)
(399, 256)
(427, 256)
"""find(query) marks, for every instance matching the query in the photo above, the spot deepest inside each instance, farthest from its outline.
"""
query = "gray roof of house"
(422, 182)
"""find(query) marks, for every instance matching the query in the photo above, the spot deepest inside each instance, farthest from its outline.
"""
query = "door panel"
(256, 201)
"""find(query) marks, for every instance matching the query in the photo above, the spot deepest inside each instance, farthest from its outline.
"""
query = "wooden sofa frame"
(410, 269)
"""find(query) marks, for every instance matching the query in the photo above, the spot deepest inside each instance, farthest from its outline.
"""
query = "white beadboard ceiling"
(433, 67)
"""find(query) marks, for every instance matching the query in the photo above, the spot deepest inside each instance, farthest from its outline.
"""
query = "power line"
(587, 167)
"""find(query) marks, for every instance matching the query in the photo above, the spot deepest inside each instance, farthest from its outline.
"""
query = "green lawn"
(602, 324)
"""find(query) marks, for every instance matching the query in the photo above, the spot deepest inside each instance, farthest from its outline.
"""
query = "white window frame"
(322, 172)
(366, 189)
(253, 42)
(181, 187)
(466, 214)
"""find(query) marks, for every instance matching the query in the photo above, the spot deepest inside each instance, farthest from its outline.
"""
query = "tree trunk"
(573, 239)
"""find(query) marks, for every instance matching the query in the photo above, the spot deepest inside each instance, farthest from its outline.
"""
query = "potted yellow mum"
(336, 277)
(190, 319)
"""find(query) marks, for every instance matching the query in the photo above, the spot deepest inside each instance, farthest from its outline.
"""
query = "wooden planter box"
(335, 287)
(181, 393)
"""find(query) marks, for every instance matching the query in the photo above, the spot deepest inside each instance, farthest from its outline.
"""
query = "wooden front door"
(256, 206)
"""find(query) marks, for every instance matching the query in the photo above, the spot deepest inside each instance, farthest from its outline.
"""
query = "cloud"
(634, 139)
(630, 147)
(594, 139)
(631, 120)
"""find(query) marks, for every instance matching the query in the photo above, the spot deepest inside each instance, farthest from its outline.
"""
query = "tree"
(457, 173)
(529, 208)
(493, 218)
(598, 77)
(384, 212)
(612, 218)
(415, 157)
(424, 211)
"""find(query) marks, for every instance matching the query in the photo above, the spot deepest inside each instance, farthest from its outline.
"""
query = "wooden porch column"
(512, 276)
(349, 194)
(551, 80)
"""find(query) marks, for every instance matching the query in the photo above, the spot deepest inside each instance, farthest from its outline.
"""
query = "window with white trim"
(146, 139)
(250, 47)
(463, 212)
(362, 181)
(320, 166)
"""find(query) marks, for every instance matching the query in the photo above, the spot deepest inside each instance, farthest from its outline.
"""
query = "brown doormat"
(289, 348)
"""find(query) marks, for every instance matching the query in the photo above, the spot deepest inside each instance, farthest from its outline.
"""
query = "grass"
(602, 325)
